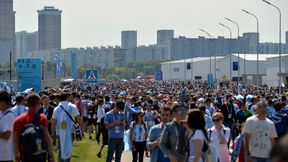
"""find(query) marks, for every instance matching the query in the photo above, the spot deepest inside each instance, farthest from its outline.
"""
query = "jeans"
(115, 145)
(139, 149)
(257, 159)
(59, 152)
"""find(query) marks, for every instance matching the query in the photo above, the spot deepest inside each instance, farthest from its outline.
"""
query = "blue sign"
(210, 79)
(91, 76)
(73, 65)
(29, 73)
(235, 66)
(158, 75)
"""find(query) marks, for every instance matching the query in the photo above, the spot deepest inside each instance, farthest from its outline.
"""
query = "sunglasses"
(216, 120)
(182, 111)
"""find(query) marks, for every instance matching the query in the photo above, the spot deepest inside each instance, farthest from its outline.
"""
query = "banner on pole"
(210, 79)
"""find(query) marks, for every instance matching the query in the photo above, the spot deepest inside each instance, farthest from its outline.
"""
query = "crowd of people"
(166, 121)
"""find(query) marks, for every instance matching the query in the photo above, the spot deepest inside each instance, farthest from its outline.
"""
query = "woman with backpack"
(219, 135)
(197, 144)
(138, 136)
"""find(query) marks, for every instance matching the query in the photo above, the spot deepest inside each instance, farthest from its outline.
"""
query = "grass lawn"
(85, 151)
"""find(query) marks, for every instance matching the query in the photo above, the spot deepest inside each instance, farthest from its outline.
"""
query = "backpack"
(32, 141)
(280, 124)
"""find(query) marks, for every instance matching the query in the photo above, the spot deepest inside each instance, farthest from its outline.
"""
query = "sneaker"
(99, 155)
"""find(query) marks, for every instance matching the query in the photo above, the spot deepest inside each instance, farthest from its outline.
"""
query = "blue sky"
(88, 23)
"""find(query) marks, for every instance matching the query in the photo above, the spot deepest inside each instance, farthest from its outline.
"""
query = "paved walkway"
(127, 157)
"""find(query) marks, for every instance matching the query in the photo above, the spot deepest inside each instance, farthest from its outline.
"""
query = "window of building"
(176, 69)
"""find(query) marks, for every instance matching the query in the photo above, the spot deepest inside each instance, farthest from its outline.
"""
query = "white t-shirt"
(71, 108)
(6, 146)
(19, 109)
(198, 135)
(100, 113)
(139, 131)
(261, 131)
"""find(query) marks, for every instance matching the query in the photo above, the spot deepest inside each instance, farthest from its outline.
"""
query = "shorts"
(92, 122)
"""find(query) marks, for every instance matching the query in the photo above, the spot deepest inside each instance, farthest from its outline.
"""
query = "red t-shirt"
(27, 118)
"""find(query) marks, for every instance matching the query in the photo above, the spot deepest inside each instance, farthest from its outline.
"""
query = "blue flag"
(59, 67)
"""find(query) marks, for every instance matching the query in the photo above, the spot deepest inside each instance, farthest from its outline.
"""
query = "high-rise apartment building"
(164, 38)
(26, 42)
(49, 28)
(7, 32)
(128, 39)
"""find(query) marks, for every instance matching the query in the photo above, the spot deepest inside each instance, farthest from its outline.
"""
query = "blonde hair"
(218, 115)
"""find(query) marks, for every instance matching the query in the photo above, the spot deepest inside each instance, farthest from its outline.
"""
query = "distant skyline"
(89, 23)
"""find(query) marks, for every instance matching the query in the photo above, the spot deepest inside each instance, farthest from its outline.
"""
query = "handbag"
(78, 131)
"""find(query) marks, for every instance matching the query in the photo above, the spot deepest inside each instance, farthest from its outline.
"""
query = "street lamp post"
(280, 71)
(230, 57)
(210, 36)
(238, 32)
(257, 50)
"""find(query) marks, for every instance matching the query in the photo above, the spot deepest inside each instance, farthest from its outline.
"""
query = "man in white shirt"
(20, 107)
(259, 133)
(63, 124)
(6, 127)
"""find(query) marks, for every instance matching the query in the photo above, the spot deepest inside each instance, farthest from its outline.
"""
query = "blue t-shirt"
(117, 131)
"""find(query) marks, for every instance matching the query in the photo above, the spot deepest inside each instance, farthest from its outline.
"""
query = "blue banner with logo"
(73, 65)
(158, 75)
(210, 79)
(92, 76)
(29, 74)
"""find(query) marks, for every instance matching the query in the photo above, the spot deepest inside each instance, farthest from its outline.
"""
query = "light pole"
(280, 71)
(210, 36)
(230, 57)
(238, 32)
(257, 50)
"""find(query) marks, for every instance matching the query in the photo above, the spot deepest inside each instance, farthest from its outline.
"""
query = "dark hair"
(63, 96)
(120, 104)
(107, 98)
(279, 152)
(19, 98)
(5, 97)
(52, 97)
(196, 121)
(136, 116)
(33, 100)
(44, 96)
(228, 96)
(202, 107)
(278, 106)
(208, 100)
(167, 108)
(176, 106)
